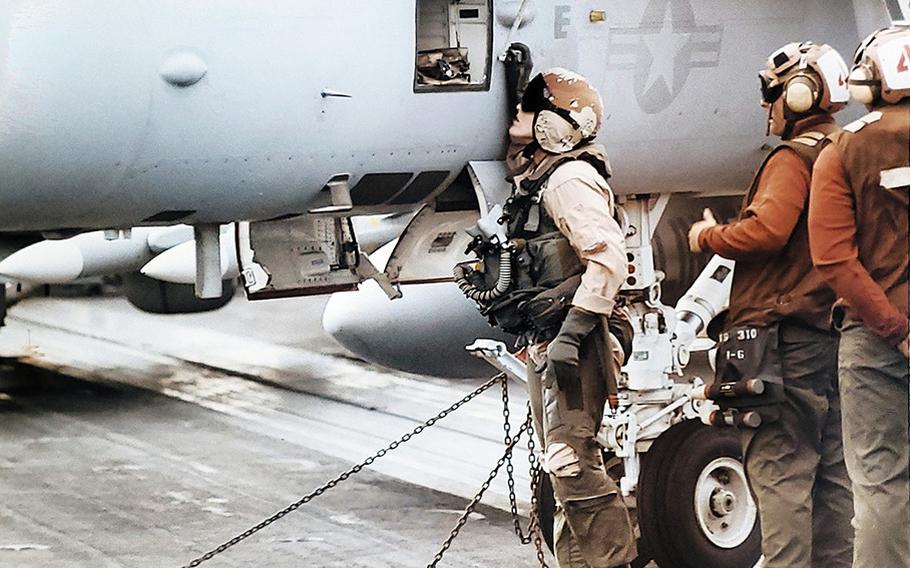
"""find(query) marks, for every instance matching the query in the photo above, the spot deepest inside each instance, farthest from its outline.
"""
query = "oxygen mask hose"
(503, 282)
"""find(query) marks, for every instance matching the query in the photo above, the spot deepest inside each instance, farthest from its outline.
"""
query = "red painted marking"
(902, 65)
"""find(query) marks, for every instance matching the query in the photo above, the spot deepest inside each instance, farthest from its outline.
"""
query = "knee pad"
(562, 460)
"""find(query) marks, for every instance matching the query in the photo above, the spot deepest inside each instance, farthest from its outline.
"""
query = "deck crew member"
(859, 237)
(778, 327)
(567, 264)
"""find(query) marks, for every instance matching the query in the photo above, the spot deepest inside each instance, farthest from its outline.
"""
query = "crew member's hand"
(562, 354)
(707, 221)
(904, 346)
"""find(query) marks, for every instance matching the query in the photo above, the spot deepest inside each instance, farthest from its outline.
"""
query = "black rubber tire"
(156, 297)
(652, 483)
(666, 505)
(547, 503)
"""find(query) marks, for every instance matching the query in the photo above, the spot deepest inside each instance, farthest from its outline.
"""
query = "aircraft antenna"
(519, 18)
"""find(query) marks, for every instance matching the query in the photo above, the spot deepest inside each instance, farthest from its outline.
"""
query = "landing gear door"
(436, 239)
(300, 256)
(430, 247)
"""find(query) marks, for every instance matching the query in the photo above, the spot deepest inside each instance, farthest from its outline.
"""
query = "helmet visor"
(534, 99)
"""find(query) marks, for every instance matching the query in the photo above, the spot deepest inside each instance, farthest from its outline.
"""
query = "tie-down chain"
(533, 531)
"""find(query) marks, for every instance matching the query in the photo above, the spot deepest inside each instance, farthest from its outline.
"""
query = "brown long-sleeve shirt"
(774, 278)
(768, 221)
(879, 302)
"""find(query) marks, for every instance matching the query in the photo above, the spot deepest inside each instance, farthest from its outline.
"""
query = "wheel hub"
(723, 504)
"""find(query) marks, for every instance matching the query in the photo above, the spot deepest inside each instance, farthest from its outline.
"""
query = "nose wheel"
(694, 508)
(724, 515)
(694, 505)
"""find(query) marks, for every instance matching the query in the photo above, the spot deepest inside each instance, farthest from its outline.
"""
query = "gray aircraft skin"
(118, 114)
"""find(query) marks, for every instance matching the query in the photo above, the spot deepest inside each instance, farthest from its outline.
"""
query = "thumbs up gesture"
(707, 221)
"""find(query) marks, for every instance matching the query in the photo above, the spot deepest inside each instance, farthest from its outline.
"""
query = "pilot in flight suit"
(567, 264)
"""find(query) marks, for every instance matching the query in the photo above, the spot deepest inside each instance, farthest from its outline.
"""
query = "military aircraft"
(289, 119)
(682, 118)
(111, 118)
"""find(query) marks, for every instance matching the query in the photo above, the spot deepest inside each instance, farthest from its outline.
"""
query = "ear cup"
(863, 94)
(860, 86)
(801, 93)
(554, 133)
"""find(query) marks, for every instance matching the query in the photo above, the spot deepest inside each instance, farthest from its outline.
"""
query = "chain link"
(535, 473)
(475, 501)
(510, 468)
(357, 468)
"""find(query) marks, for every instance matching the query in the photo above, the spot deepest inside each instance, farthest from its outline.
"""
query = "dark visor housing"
(770, 89)
(534, 99)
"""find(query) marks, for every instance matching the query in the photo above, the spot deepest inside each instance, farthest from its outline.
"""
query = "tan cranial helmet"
(881, 66)
(568, 110)
(811, 78)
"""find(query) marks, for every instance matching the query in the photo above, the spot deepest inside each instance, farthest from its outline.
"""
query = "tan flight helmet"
(811, 78)
(881, 67)
(567, 110)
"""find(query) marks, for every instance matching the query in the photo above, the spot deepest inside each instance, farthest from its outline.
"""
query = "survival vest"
(546, 271)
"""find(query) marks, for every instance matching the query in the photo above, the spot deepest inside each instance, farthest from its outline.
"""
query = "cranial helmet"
(881, 66)
(811, 78)
(567, 109)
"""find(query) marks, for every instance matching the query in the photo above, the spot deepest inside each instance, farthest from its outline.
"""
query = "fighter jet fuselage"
(117, 114)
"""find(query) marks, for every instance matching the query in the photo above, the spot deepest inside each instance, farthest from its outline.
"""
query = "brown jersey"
(858, 219)
(774, 278)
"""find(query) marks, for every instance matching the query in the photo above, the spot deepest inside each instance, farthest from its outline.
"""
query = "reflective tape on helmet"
(834, 73)
(885, 57)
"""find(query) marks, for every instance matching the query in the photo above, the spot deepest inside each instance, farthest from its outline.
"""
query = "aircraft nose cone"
(177, 265)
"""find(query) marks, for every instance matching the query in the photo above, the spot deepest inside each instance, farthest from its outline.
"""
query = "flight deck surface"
(130, 439)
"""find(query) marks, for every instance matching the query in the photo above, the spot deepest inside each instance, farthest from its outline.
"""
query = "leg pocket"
(553, 409)
(602, 530)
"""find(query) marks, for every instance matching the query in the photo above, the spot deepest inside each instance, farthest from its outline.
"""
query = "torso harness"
(526, 283)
